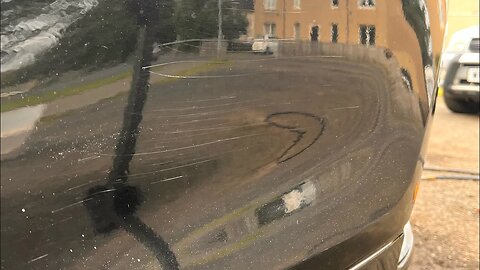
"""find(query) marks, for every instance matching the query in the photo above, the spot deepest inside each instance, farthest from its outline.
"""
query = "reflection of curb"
(53, 96)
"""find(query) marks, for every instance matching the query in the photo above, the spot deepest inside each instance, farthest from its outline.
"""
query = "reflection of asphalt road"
(208, 139)
(93, 96)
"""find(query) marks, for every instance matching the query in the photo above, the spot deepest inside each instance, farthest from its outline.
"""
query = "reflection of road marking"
(249, 60)
(199, 77)
(167, 179)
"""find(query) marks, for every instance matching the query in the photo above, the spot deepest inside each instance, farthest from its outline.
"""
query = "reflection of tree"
(106, 35)
(196, 19)
(113, 205)
(416, 14)
(103, 37)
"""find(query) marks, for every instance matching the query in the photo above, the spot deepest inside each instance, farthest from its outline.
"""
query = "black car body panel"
(138, 145)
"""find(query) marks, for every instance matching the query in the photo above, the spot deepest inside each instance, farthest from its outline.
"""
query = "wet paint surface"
(193, 156)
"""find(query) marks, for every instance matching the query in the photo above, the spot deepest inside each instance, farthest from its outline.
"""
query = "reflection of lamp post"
(220, 34)
(348, 21)
(284, 18)
(113, 205)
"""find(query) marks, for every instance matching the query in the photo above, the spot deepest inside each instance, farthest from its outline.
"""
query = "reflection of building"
(345, 21)
(379, 23)
(338, 20)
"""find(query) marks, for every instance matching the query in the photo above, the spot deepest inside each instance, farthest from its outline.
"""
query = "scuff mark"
(212, 99)
(295, 125)
(290, 202)
(262, 105)
(214, 128)
(82, 185)
(298, 197)
(345, 108)
(172, 168)
(70, 205)
(89, 158)
(38, 258)
(195, 121)
(261, 101)
(189, 147)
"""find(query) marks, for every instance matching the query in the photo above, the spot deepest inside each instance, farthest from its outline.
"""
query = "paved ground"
(446, 215)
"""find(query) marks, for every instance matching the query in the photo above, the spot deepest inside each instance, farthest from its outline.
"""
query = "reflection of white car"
(462, 41)
(461, 66)
(266, 45)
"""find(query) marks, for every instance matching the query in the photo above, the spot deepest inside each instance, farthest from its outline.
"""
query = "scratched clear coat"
(136, 139)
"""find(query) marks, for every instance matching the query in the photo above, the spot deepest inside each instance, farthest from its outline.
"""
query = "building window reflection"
(367, 34)
(366, 3)
(270, 29)
(334, 32)
(296, 31)
(270, 4)
(297, 4)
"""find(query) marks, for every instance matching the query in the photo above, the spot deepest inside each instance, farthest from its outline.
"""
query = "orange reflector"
(415, 192)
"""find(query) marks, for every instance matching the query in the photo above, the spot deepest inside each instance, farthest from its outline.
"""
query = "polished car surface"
(141, 135)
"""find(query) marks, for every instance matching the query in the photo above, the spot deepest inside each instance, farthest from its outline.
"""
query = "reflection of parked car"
(461, 64)
(460, 43)
(240, 45)
(267, 45)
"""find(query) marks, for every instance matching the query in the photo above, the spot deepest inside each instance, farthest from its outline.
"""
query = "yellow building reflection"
(371, 23)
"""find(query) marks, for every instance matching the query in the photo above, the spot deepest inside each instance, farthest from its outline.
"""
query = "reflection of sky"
(16, 124)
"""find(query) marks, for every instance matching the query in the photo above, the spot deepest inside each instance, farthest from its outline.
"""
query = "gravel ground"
(446, 215)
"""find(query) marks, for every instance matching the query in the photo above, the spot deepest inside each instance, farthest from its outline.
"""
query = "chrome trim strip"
(407, 246)
(405, 253)
(372, 257)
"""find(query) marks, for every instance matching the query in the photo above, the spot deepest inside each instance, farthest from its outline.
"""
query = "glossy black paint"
(204, 158)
